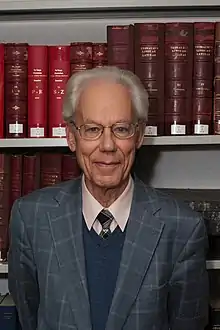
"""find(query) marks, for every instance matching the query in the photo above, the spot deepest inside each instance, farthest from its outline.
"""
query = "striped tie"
(105, 218)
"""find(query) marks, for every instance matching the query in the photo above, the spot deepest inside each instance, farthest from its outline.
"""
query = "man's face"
(106, 161)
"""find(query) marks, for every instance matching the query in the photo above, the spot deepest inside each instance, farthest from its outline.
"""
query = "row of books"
(21, 174)
(178, 63)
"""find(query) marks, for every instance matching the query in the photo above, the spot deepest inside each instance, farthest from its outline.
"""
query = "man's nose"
(107, 142)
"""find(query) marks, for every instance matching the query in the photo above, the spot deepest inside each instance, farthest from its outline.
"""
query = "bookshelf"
(206, 140)
(183, 162)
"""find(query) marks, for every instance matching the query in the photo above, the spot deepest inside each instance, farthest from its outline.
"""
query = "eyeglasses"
(94, 131)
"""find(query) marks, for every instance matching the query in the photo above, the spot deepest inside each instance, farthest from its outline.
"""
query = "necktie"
(105, 218)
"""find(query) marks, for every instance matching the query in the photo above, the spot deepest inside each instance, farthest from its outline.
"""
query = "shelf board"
(213, 264)
(3, 268)
(210, 264)
(33, 143)
(154, 141)
(183, 140)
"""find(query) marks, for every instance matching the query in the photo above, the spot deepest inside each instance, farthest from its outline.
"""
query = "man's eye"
(92, 129)
(121, 129)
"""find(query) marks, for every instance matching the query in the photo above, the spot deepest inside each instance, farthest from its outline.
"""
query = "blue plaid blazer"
(162, 282)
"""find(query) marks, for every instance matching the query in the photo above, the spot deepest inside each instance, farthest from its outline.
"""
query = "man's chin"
(106, 181)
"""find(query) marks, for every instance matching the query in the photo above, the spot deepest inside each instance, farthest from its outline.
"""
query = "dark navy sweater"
(102, 258)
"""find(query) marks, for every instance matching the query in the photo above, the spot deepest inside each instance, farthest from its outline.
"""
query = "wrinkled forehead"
(102, 100)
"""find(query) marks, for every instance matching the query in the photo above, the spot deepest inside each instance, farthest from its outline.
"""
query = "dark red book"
(204, 37)
(99, 55)
(80, 56)
(59, 72)
(70, 167)
(51, 169)
(216, 113)
(37, 91)
(1, 91)
(149, 67)
(4, 203)
(178, 78)
(31, 173)
(16, 61)
(120, 39)
(16, 177)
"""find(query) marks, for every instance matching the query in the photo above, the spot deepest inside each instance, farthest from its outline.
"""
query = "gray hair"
(77, 82)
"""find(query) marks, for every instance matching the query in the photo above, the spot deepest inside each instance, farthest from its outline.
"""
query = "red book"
(1, 91)
(37, 91)
(59, 72)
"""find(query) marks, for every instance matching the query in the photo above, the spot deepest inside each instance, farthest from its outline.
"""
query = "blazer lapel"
(66, 227)
(142, 236)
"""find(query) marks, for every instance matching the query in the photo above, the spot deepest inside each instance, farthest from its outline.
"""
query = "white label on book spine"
(201, 129)
(150, 131)
(178, 129)
(16, 128)
(58, 131)
(37, 132)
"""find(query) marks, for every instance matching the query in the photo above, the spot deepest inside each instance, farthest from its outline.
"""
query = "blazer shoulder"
(50, 195)
(172, 208)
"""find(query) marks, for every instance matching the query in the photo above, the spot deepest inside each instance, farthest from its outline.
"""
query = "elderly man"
(106, 252)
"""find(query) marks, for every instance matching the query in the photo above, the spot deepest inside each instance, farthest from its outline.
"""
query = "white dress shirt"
(120, 209)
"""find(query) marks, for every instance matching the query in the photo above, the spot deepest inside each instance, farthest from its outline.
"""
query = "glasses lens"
(90, 131)
(123, 130)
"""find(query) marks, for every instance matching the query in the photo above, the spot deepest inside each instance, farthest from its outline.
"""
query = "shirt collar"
(120, 209)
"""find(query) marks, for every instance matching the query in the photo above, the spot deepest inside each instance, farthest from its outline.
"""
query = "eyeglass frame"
(78, 128)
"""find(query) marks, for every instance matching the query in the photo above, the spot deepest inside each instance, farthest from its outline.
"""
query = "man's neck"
(105, 196)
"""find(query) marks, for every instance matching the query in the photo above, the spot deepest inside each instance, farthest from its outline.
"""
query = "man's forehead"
(105, 88)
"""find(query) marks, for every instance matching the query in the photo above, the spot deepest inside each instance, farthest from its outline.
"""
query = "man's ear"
(140, 135)
(71, 140)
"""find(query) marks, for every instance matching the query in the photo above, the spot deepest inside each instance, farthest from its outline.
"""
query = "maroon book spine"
(51, 169)
(99, 55)
(59, 72)
(70, 167)
(149, 67)
(16, 177)
(37, 91)
(178, 78)
(120, 41)
(4, 203)
(31, 173)
(80, 56)
(216, 114)
(16, 61)
(204, 36)
(1, 91)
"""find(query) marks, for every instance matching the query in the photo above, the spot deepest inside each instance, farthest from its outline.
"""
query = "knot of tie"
(105, 218)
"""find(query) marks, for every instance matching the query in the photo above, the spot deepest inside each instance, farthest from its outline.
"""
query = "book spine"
(59, 72)
(37, 91)
(16, 59)
(149, 67)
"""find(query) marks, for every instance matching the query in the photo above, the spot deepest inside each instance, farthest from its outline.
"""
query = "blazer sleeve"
(189, 287)
(22, 275)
